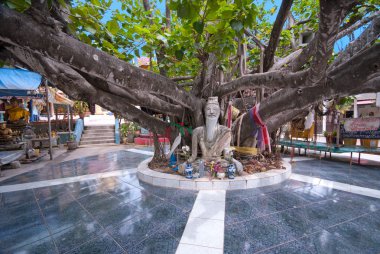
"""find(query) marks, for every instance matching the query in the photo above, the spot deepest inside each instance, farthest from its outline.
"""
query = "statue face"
(212, 111)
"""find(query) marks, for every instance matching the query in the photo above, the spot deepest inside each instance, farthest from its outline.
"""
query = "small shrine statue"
(4, 131)
(212, 138)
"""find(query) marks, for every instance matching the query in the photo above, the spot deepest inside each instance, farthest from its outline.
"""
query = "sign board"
(364, 128)
(362, 124)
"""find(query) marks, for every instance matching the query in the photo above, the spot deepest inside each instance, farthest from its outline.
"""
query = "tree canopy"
(198, 48)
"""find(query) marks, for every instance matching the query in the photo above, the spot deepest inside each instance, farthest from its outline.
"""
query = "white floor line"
(140, 151)
(39, 184)
(299, 159)
(204, 231)
(337, 185)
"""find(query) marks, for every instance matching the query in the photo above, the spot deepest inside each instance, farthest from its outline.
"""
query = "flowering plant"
(215, 168)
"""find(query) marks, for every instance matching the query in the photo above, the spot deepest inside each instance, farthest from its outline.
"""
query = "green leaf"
(211, 29)
(18, 5)
(137, 52)
(236, 25)
(183, 11)
(198, 26)
(113, 27)
(90, 29)
(146, 48)
(179, 54)
(108, 45)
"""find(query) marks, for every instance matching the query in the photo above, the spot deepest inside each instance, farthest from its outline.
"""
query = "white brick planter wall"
(270, 177)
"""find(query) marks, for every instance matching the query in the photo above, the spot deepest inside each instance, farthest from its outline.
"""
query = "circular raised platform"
(270, 177)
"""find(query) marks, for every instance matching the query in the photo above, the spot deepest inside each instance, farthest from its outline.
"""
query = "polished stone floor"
(295, 217)
(88, 165)
(358, 175)
(109, 215)
(119, 214)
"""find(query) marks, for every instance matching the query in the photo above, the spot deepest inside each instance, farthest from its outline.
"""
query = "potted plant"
(127, 132)
(72, 144)
(123, 132)
(80, 108)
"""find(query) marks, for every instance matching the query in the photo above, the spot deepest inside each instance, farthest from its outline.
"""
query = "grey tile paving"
(100, 244)
(325, 242)
(89, 165)
(160, 242)
(301, 219)
(117, 214)
(44, 245)
(70, 238)
(359, 175)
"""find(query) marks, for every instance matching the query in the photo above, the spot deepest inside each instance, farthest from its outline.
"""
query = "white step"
(93, 142)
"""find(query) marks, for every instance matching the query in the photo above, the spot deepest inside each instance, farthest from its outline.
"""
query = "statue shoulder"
(198, 130)
(224, 129)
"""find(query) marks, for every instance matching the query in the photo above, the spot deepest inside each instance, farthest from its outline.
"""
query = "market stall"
(16, 87)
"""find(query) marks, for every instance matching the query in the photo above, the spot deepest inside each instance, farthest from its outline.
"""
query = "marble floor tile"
(61, 217)
(293, 247)
(206, 209)
(325, 242)
(16, 237)
(204, 232)
(236, 240)
(160, 242)
(100, 244)
(44, 245)
(191, 249)
(366, 239)
(132, 232)
(72, 237)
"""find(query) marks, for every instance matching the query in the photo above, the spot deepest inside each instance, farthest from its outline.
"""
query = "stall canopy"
(18, 82)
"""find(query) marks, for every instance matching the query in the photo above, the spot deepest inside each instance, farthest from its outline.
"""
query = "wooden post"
(338, 130)
(56, 116)
(71, 116)
(48, 114)
(68, 118)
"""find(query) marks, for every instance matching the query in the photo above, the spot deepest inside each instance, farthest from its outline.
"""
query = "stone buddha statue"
(212, 138)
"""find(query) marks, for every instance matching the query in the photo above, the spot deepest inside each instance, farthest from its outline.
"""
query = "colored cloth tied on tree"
(182, 129)
(263, 138)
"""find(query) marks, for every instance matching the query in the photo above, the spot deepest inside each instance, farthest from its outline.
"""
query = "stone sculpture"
(213, 138)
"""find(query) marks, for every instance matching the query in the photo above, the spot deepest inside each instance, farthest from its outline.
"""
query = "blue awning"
(17, 79)
(9, 93)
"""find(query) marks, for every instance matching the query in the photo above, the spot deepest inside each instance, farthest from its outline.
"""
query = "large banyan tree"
(198, 48)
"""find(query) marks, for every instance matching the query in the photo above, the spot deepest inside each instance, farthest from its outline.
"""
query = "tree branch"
(75, 86)
(255, 39)
(180, 78)
(24, 32)
(310, 49)
(274, 79)
(357, 75)
(364, 41)
(357, 25)
(331, 15)
(275, 34)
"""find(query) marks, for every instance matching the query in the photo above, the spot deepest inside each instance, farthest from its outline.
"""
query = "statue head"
(212, 109)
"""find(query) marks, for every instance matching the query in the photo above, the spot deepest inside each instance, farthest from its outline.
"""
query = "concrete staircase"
(98, 135)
